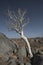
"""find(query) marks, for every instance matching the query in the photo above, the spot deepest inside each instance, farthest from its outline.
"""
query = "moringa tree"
(17, 22)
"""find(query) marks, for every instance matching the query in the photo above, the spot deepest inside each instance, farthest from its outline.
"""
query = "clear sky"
(35, 13)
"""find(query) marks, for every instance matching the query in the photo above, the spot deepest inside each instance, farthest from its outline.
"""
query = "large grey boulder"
(37, 60)
(7, 47)
(22, 51)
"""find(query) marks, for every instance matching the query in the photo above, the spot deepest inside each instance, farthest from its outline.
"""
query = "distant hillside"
(34, 42)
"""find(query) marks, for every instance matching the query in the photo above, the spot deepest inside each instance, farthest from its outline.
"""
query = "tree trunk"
(28, 44)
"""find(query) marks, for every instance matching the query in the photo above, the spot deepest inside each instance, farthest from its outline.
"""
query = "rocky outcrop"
(7, 48)
(13, 52)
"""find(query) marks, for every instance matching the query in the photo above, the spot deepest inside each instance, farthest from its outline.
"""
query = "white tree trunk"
(28, 44)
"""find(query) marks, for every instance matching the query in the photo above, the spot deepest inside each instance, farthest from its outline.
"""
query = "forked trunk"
(28, 44)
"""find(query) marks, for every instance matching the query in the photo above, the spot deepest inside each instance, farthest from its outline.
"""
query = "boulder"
(28, 63)
(7, 47)
(22, 51)
(11, 61)
(37, 60)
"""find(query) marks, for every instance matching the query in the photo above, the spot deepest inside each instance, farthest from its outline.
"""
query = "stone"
(28, 63)
(37, 60)
(12, 62)
(41, 52)
(41, 57)
(7, 47)
(35, 50)
(22, 64)
(22, 51)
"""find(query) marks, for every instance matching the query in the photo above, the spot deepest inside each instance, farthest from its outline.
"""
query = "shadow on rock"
(37, 60)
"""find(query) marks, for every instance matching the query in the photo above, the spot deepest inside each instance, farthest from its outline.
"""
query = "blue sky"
(34, 11)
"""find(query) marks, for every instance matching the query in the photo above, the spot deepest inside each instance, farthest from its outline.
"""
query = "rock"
(22, 64)
(12, 61)
(12, 53)
(28, 63)
(22, 51)
(37, 60)
(41, 57)
(35, 50)
(41, 52)
(7, 47)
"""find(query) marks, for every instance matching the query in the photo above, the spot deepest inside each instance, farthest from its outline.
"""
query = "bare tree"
(17, 22)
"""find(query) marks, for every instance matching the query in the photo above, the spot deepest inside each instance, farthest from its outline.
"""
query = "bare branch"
(17, 22)
(12, 15)
(21, 14)
(25, 22)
